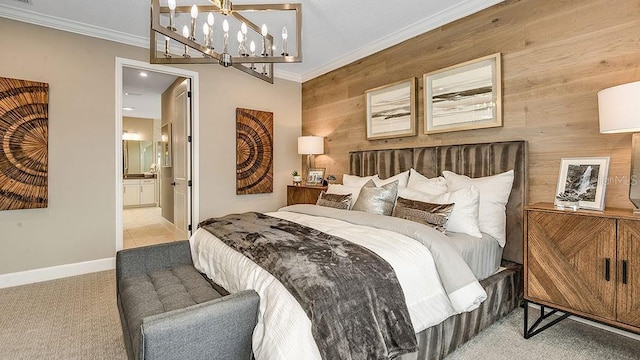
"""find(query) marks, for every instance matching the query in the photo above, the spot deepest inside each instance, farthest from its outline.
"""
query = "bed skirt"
(504, 294)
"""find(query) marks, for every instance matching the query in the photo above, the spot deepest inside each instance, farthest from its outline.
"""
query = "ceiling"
(335, 32)
(141, 94)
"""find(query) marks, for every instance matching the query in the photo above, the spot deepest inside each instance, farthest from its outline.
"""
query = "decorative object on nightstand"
(303, 194)
(297, 178)
(582, 263)
(582, 183)
(310, 146)
(315, 177)
(619, 111)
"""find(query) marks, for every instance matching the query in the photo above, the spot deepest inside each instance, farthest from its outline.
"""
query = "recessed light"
(128, 108)
(143, 74)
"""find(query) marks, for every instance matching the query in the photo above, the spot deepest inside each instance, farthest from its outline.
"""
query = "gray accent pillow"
(434, 215)
(334, 200)
(377, 200)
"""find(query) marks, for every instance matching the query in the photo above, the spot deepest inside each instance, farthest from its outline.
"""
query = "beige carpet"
(77, 318)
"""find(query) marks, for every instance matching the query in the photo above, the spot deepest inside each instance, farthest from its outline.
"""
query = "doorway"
(173, 161)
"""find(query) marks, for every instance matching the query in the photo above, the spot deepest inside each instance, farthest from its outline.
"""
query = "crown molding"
(446, 16)
(76, 27)
(287, 75)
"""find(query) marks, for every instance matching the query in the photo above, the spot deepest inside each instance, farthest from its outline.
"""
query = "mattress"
(482, 255)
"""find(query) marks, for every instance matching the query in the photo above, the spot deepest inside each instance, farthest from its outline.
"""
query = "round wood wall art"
(23, 144)
(254, 151)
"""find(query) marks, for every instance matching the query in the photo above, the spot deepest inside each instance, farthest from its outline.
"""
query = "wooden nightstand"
(303, 194)
(584, 263)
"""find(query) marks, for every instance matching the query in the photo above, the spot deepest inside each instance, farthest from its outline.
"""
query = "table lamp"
(619, 111)
(310, 146)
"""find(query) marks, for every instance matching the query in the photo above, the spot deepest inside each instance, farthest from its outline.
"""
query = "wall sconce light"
(310, 146)
(619, 112)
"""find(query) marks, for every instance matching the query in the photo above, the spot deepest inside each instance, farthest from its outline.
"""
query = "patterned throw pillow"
(334, 200)
(434, 215)
(377, 200)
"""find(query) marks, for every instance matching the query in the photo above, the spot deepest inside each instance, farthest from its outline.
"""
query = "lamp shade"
(619, 108)
(310, 145)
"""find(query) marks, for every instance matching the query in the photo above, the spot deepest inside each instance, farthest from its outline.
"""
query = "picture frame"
(583, 179)
(391, 110)
(315, 176)
(464, 97)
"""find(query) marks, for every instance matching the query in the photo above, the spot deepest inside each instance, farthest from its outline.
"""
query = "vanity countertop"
(139, 176)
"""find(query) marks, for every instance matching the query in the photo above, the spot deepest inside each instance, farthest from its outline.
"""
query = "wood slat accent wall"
(556, 56)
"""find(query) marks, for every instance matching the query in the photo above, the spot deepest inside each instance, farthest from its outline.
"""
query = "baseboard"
(56, 272)
(596, 324)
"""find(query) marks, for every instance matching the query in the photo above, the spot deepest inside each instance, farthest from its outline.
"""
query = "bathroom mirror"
(137, 156)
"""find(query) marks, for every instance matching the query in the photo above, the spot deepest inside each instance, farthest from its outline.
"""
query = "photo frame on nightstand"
(583, 180)
(315, 176)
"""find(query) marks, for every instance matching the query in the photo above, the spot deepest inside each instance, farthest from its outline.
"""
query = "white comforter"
(284, 330)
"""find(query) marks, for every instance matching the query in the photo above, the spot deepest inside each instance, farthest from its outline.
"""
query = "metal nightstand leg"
(533, 330)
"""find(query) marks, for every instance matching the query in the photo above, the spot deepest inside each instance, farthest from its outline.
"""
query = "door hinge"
(189, 183)
(189, 227)
(188, 93)
(189, 138)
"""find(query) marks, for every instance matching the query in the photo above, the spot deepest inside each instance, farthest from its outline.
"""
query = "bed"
(442, 319)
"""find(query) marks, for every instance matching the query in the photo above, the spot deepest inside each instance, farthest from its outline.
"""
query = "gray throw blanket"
(351, 295)
(453, 271)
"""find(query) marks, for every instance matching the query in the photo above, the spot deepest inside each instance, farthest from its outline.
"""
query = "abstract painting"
(391, 110)
(23, 144)
(254, 151)
(464, 96)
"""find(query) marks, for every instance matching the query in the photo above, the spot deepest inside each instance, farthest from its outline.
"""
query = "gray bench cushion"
(159, 292)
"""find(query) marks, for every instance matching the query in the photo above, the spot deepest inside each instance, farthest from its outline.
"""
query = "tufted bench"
(168, 310)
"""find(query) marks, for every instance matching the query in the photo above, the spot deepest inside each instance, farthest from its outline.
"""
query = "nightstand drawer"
(303, 194)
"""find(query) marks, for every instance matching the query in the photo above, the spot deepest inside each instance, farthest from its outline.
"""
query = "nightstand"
(303, 194)
(584, 263)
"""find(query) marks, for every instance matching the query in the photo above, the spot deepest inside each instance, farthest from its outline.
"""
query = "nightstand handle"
(607, 269)
(624, 272)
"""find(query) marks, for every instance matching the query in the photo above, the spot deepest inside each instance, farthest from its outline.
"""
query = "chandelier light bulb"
(240, 36)
(252, 47)
(194, 12)
(172, 5)
(185, 31)
(210, 19)
(225, 26)
(243, 28)
(264, 30)
(285, 34)
(205, 29)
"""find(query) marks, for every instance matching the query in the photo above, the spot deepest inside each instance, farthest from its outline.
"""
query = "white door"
(147, 192)
(181, 159)
(130, 192)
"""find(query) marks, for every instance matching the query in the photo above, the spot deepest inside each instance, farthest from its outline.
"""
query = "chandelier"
(202, 33)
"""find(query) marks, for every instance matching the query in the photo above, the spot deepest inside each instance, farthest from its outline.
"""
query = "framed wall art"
(315, 176)
(464, 96)
(254, 151)
(583, 180)
(24, 150)
(391, 110)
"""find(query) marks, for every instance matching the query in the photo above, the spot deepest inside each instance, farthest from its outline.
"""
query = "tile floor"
(146, 226)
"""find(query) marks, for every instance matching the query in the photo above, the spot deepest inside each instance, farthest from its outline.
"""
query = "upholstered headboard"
(473, 160)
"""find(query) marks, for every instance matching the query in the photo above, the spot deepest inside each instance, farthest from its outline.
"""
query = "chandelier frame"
(212, 57)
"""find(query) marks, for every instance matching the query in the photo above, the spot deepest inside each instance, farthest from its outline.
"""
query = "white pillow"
(494, 194)
(435, 186)
(353, 180)
(402, 178)
(345, 190)
(464, 216)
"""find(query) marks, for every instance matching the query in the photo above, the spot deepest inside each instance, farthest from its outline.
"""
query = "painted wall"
(79, 223)
(556, 56)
